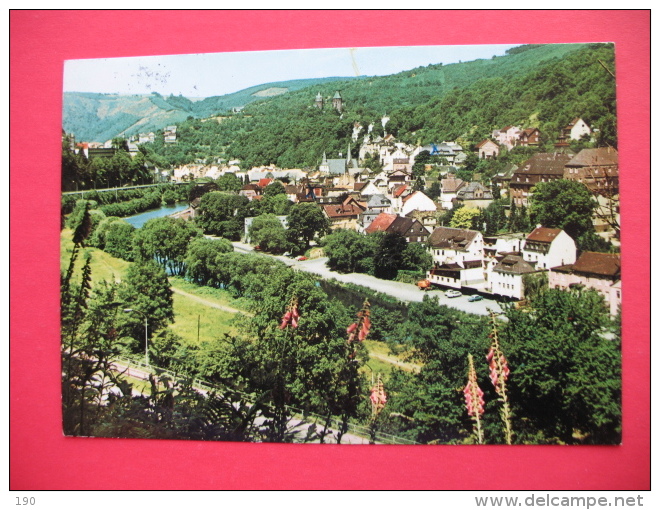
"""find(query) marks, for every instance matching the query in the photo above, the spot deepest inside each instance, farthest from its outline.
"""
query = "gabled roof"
(264, 182)
(544, 235)
(603, 156)
(545, 163)
(337, 166)
(378, 200)
(452, 238)
(594, 264)
(381, 223)
(573, 122)
(402, 225)
(398, 190)
(513, 264)
(345, 210)
(485, 142)
(473, 186)
(451, 184)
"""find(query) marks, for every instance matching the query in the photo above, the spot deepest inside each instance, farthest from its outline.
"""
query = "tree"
(268, 232)
(223, 214)
(565, 368)
(203, 258)
(563, 204)
(494, 218)
(147, 291)
(307, 365)
(464, 218)
(273, 189)
(119, 239)
(347, 250)
(428, 406)
(166, 241)
(415, 257)
(305, 221)
(229, 182)
(278, 205)
(388, 256)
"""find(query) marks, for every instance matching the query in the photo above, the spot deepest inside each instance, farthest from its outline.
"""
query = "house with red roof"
(549, 247)
(409, 228)
(344, 215)
(598, 271)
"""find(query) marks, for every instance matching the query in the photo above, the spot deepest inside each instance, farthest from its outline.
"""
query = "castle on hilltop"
(337, 102)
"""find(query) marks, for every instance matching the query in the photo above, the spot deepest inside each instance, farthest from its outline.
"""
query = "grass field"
(105, 267)
(213, 323)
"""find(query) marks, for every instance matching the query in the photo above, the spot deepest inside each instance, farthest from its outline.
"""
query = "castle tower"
(319, 101)
(337, 102)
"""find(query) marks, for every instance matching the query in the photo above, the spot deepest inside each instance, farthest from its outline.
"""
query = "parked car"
(476, 297)
(302, 257)
(453, 293)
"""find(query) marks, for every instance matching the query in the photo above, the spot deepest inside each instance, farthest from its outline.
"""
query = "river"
(165, 210)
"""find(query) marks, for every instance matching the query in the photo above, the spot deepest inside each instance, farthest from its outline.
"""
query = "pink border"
(41, 458)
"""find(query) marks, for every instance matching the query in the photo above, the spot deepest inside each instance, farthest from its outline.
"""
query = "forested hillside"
(533, 86)
(99, 117)
(543, 86)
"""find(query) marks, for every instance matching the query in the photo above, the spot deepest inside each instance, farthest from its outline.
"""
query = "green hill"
(101, 117)
(542, 86)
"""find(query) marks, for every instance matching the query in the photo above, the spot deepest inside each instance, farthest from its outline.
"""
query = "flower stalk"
(290, 318)
(499, 373)
(474, 400)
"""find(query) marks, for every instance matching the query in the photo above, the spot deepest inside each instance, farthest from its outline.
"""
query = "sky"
(216, 74)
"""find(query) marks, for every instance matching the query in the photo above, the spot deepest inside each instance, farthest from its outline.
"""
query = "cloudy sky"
(215, 74)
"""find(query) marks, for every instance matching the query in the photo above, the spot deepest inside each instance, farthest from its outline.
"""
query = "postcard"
(412, 245)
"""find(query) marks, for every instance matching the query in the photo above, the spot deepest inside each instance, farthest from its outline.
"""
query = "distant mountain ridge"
(97, 117)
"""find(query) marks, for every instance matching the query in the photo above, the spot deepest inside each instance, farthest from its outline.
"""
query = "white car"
(453, 293)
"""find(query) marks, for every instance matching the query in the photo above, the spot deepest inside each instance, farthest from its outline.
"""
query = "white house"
(549, 247)
(457, 257)
(576, 129)
(450, 186)
(370, 189)
(417, 201)
(506, 278)
(508, 136)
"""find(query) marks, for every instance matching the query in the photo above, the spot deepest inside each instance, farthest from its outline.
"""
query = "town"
(352, 196)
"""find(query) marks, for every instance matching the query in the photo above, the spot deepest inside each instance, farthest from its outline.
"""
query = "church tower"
(319, 101)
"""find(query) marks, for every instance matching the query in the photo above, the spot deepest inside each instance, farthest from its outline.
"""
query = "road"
(402, 291)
